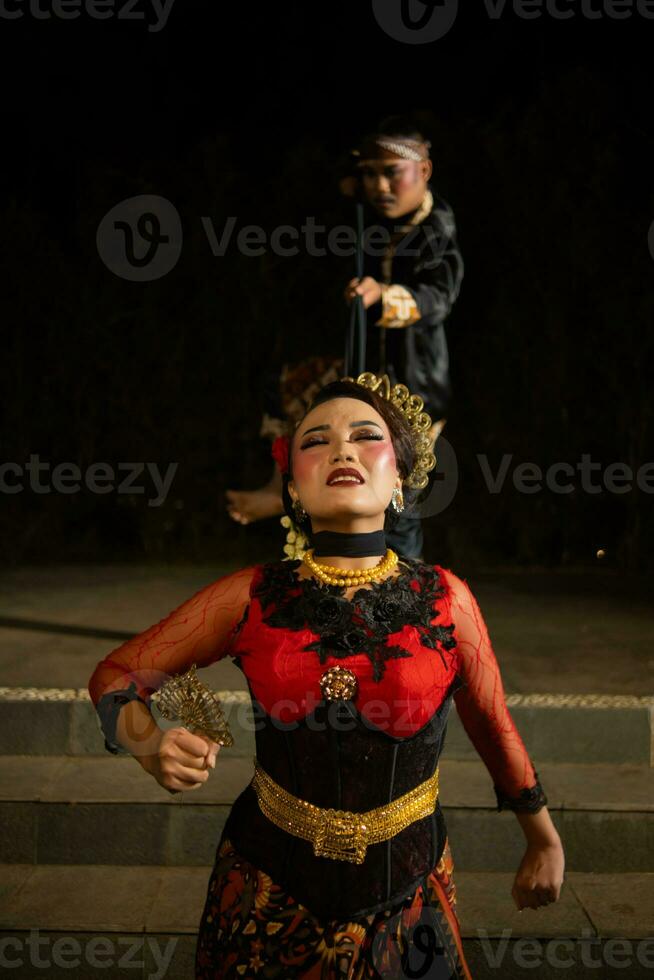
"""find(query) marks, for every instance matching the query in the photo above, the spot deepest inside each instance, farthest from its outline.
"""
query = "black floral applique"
(531, 798)
(235, 633)
(361, 624)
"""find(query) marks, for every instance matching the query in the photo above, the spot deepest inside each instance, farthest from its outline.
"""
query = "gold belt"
(342, 834)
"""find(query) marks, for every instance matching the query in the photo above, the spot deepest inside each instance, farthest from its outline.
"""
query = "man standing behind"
(408, 291)
(411, 280)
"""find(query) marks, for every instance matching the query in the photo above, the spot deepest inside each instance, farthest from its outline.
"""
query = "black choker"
(342, 544)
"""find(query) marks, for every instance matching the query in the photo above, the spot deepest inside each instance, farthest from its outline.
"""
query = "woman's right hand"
(182, 760)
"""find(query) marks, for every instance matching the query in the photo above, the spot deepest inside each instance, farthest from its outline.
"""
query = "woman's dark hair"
(401, 438)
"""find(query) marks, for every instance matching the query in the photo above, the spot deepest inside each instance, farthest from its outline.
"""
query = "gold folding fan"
(198, 708)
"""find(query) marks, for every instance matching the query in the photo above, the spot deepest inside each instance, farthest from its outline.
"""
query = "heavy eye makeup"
(315, 441)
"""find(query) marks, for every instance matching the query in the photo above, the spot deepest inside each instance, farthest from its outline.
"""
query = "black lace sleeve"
(198, 632)
(482, 708)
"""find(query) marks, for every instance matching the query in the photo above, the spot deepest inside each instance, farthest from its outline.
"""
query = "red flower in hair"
(279, 453)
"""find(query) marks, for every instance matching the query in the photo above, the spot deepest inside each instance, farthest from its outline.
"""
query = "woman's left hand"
(539, 878)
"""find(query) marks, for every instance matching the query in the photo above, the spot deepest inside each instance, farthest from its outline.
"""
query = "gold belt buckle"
(341, 836)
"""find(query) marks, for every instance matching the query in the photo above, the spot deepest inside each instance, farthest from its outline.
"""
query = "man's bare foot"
(245, 506)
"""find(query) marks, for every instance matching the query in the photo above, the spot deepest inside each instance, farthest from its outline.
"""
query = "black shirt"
(428, 263)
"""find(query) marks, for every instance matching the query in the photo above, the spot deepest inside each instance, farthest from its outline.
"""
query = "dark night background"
(542, 143)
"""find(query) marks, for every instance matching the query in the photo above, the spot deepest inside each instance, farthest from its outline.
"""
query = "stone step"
(576, 728)
(108, 810)
(129, 921)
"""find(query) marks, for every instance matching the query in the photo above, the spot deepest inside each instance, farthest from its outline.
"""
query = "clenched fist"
(539, 878)
(183, 760)
(367, 287)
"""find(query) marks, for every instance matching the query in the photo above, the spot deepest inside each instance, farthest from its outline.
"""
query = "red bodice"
(407, 641)
(400, 681)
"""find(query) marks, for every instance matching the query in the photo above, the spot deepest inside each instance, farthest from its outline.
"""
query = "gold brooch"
(187, 698)
(338, 683)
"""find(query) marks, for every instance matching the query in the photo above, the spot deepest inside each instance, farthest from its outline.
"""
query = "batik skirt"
(251, 927)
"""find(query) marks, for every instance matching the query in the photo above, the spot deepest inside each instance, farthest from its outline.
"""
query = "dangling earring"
(299, 511)
(397, 500)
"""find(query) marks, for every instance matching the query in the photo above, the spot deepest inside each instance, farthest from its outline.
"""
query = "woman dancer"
(336, 853)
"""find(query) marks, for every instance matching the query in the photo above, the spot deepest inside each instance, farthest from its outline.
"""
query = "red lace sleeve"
(482, 708)
(200, 631)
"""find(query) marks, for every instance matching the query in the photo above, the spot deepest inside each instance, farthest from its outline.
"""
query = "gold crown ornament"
(411, 407)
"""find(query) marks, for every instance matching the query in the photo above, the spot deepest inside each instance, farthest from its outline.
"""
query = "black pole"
(349, 342)
(361, 347)
(355, 344)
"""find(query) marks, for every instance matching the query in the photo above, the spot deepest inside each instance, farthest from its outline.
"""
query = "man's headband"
(402, 146)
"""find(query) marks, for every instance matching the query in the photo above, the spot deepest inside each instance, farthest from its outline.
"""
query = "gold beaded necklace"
(331, 575)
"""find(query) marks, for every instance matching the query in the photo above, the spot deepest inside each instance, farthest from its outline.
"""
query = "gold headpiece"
(411, 407)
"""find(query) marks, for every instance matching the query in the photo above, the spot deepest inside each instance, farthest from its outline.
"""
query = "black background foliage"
(542, 142)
